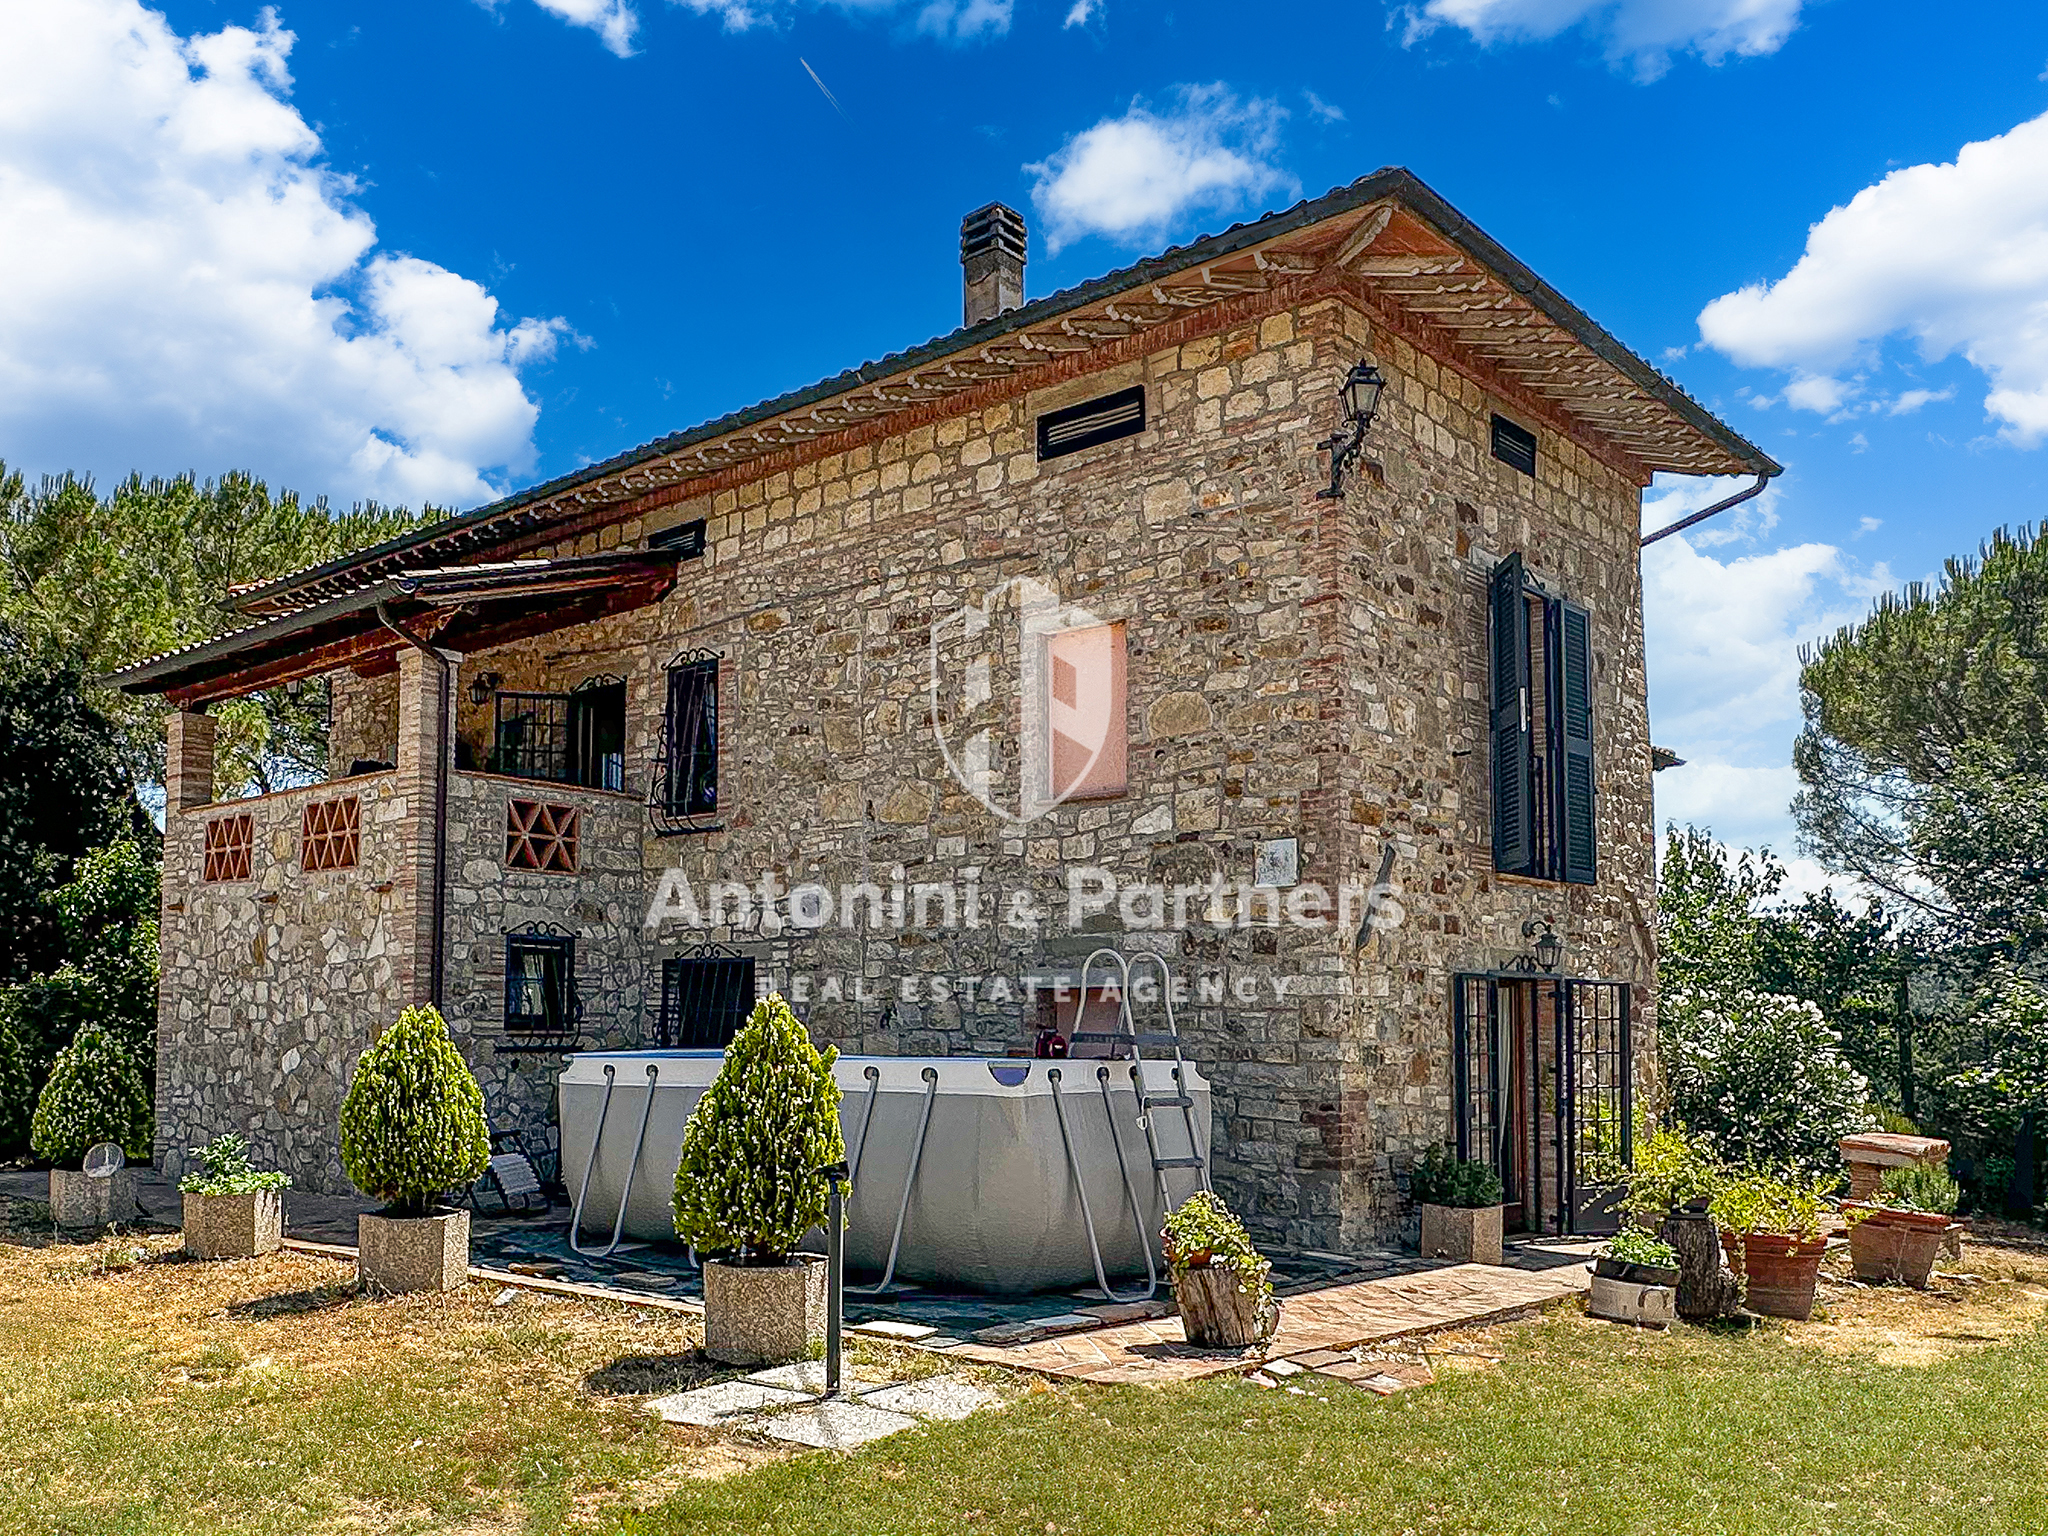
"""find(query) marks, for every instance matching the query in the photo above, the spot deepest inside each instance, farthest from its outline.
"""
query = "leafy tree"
(1709, 900)
(748, 1183)
(412, 1123)
(62, 791)
(17, 1099)
(154, 566)
(1989, 1067)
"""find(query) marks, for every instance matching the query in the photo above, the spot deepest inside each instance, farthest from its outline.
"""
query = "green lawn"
(1584, 1428)
(171, 1399)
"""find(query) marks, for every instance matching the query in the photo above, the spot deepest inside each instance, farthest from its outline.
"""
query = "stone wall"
(273, 985)
(1298, 668)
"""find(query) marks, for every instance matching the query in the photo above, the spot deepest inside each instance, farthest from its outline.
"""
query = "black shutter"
(1514, 827)
(1581, 863)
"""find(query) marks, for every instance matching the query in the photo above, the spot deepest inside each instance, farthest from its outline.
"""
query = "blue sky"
(438, 249)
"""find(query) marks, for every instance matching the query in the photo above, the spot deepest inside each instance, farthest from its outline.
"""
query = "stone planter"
(1779, 1272)
(1900, 1246)
(234, 1226)
(413, 1253)
(79, 1202)
(763, 1315)
(1461, 1234)
(1220, 1309)
(1622, 1301)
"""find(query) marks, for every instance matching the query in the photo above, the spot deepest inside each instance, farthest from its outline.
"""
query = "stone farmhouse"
(1370, 770)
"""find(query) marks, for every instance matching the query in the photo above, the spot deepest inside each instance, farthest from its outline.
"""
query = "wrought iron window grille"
(682, 791)
(707, 992)
(543, 1009)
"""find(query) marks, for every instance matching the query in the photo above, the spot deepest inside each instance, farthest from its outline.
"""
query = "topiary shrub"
(748, 1187)
(1441, 1177)
(95, 1093)
(412, 1125)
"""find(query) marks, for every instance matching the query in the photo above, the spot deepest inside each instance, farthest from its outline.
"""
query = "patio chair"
(511, 1175)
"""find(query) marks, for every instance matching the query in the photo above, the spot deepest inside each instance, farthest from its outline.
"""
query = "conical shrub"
(412, 1125)
(748, 1187)
(95, 1093)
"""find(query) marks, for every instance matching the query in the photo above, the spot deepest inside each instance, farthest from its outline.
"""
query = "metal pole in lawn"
(835, 1272)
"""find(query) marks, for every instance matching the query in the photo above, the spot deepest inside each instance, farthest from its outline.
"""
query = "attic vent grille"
(1091, 422)
(1514, 446)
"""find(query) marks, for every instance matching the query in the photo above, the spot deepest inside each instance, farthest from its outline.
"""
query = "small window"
(686, 539)
(230, 848)
(1544, 805)
(1085, 717)
(330, 834)
(685, 789)
(1092, 422)
(540, 983)
(532, 737)
(1514, 446)
(543, 837)
(706, 996)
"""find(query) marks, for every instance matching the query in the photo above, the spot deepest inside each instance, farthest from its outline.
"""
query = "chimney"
(992, 261)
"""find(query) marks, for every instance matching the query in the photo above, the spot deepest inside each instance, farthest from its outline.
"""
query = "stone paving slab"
(1329, 1321)
(705, 1406)
(838, 1424)
(807, 1376)
(936, 1397)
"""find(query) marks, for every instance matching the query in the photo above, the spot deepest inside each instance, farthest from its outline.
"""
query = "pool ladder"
(1128, 1037)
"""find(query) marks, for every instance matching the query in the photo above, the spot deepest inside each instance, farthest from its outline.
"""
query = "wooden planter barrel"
(1779, 1271)
(1220, 1308)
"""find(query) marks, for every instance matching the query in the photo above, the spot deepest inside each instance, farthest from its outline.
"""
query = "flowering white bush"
(1763, 1078)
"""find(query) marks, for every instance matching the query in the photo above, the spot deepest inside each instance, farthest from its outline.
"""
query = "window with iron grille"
(684, 793)
(1544, 822)
(706, 996)
(540, 983)
(230, 848)
(577, 737)
(330, 834)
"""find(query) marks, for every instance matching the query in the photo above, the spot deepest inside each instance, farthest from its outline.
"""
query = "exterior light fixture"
(1549, 947)
(1360, 395)
(482, 686)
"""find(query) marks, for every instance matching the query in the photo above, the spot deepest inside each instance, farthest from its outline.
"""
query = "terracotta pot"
(1779, 1271)
(1221, 1308)
(1899, 1246)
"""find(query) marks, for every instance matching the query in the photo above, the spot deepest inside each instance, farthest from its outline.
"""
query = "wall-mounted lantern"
(482, 686)
(1549, 949)
(1360, 396)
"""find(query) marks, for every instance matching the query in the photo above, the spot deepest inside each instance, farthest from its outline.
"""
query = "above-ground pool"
(993, 1201)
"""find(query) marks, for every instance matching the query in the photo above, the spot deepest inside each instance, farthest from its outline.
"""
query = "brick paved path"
(1335, 1319)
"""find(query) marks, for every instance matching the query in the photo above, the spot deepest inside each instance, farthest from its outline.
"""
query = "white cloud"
(1131, 177)
(964, 19)
(1078, 16)
(1322, 111)
(1912, 399)
(187, 288)
(1641, 34)
(614, 21)
(1722, 634)
(1953, 257)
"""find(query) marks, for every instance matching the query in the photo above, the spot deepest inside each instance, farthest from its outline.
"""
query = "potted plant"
(1904, 1225)
(1636, 1257)
(749, 1187)
(1772, 1230)
(1635, 1280)
(231, 1210)
(412, 1127)
(1667, 1191)
(1221, 1282)
(1460, 1204)
(94, 1094)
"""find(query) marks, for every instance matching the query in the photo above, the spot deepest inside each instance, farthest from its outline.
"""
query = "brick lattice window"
(330, 834)
(542, 836)
(230, 846)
